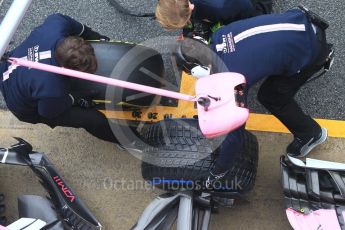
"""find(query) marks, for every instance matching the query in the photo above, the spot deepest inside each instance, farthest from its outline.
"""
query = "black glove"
(202, 29)
(4, 58)
(89, 34)
(83, 99)
(198, 28)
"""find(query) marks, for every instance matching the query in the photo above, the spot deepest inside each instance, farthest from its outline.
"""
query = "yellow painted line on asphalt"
(264, 122)
(256, 122)
(268, 123)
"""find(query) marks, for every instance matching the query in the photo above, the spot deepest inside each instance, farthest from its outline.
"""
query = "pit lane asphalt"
(323, 98)
(95, 169)
(109, 181)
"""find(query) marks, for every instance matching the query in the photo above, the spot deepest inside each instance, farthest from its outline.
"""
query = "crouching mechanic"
(286, 49)
(36, 96)
(198, 16)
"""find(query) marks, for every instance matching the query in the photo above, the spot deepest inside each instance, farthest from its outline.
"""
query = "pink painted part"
(325, 219)
(100, 79)
(222, 116)
(3, 228)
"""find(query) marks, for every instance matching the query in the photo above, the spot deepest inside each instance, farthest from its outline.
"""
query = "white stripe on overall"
(42, 55)
(268, 28)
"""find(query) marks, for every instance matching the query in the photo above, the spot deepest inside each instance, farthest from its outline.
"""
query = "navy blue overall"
(286, 50)
(31, 93)
(36, 96)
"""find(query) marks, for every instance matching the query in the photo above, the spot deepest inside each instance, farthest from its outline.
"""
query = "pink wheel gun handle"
(222, 115)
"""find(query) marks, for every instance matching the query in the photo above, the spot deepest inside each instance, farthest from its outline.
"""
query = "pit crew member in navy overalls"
(36, 96)
(284, 49)
(199, 16)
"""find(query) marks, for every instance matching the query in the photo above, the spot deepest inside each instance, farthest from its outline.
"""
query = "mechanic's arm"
(67, 26)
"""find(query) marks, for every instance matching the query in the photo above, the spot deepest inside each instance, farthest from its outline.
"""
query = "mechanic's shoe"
(301, 148)
(213, 178)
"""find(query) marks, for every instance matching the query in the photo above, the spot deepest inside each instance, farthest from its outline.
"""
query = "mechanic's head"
(174, 14)
(77, 54)
(192, 53)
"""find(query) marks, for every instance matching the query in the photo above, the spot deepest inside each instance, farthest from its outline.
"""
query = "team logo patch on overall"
(33, 54)
(227, 45)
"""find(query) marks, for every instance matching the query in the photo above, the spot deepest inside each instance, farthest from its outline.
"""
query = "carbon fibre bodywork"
(71, 211)
(310, 188)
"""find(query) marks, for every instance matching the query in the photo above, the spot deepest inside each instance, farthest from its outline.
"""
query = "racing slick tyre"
(2, 210)
(180, 156)
(127, 62)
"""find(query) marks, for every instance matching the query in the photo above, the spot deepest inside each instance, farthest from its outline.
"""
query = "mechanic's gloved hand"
(198, 28)
(84, 99)
(89, 34)
(85, 103)
(202, 29)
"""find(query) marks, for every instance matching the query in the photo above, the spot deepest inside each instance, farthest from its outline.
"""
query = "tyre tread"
(184, 153)
(3, 219)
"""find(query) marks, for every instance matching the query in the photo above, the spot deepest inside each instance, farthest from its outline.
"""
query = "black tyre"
(127, 62)
(180, 155)
(2, 210)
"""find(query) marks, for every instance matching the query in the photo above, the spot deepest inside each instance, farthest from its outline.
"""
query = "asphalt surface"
(322, 98)
(94, 168)
(109, 181)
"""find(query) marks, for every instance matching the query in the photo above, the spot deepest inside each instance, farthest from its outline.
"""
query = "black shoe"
(301, 147)
(213, 178)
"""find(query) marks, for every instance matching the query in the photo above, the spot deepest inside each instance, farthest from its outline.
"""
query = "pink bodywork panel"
(325, 219)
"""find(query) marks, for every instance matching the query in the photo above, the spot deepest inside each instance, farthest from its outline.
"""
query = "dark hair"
(77, 54)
